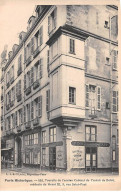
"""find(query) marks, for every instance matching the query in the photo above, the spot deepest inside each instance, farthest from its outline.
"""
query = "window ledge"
(72, 53)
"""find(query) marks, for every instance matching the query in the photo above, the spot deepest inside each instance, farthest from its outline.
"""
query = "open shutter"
(47, 100)
(41, 35)
(25, 82)
(32, 45)
(32, 110)
(40, 106)
(16, 89)
(32, 75)
(16, 120)
(25, 54)
(24, 114)
(87, 95)
(55, 18)
(114, 59)
(40, 68)
(49, 24)
(98, 98)
(19, 87)
(48, 53)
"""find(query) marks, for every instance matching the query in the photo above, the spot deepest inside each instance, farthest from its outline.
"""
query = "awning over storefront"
(6, 149)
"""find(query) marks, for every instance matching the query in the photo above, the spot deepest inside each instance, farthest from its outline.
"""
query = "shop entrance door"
(91, 159)
(52, 158)
(19, 152)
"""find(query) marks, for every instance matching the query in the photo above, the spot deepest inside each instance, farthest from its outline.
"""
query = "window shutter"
(32, 45)
(87, 95)
(16, 89)
(55, 16)
(29, 112)
(49, 24)
(41, 35)
(19, 87)
(24, 114)
(21, 115)
(25, 82)
(40, 68)
(47, 100)
(48, 60)
(16, 121)
(32, 75)
(114, 104)
(114, 58)
(98, 97)
(40, 106)
(25, 54)
(32, 110)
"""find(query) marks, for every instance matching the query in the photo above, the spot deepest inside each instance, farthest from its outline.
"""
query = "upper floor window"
(72, 95)
(115, 101)
(52, 21)
(52, 134)
(43, 136)
(91, 133)
(114, 59)
(72, 46)
(47, 100)
(20, 62)
(54, 49)
(36, 108)
(93, 97)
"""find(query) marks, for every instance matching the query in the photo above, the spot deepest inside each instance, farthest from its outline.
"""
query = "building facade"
(59, 98)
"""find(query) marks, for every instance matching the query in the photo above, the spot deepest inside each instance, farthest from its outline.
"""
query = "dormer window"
(52, 21)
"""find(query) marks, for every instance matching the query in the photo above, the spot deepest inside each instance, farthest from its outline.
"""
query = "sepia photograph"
(59, 95)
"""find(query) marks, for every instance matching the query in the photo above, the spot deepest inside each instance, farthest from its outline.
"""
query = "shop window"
(72, 46)
(91, 133)
(52, 134)
(72, 95)
(43, 136)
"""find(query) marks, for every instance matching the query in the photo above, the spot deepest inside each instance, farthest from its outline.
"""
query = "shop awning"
(6, 149)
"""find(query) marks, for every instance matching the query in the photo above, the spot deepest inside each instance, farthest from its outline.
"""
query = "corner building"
(60, 91)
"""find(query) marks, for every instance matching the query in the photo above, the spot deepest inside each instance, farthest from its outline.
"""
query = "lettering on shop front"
(92, 144)
(77, 154)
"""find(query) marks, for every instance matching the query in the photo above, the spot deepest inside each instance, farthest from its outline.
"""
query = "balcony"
(92, 113)
(19, 128)
(28, 125)
(36, 121)
(36, 84)
(19, 97)
(7, 106)
(2, 97)
(12, 80)
(12, 103)
(36, 52)
(28, 61)
(19, 71)
(28, 90)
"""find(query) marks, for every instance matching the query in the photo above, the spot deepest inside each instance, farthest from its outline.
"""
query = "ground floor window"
(31, 157)
(43, 156)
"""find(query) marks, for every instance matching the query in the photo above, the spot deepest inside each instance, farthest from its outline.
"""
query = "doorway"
(19, 161)
(52, 158)
(91, 159)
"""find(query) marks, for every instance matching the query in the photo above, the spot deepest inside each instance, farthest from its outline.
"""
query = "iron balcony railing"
(28, 90)
(36, 84)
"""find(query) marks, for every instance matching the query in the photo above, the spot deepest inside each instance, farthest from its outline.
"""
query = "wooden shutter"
(19, 89)
(32, 45)
(48, 53)
(98, 97)
(24, 114)
(47, 100)
(16, 89)
(32, 110)
(49, 24)
(25, 82)
(40, 106)
(87, 95)
(25, 53)
(41, 35)
(40, 68)
(16, 119)
(114, 101)
(32, 75)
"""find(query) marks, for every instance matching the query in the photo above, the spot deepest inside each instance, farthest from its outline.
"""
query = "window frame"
(52, 134)
(91, 134)
(72, 95)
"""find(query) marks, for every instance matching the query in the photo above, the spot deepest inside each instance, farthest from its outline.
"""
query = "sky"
(14, 15)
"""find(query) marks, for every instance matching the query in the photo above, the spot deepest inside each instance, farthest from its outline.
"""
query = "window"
(32, 110)
(13, 94)
(20, 117)
(35, 138)
(32, 75)
(72, 95)
(40, 106)
(24, 114)
(52, 21)
(31, 161)
(38, 69)
(52, 134)
(32, 45)
(36, 40)
(72, 46)
(43, 136)
(26, 139)
(114, 59)
(115, 101)
(92, 101)
(20, 62)
(106, 25)
(54, 49)
(43, 156)
(18, 88)
(28, 112)
(47, 100)
(28, 51)
(91, 133)
(41, 35)
(48, 55)
(114, 147)
(28, 80)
